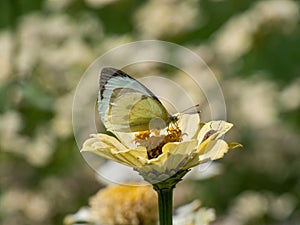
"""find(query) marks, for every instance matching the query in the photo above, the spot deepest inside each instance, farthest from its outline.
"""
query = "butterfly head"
(173, 118)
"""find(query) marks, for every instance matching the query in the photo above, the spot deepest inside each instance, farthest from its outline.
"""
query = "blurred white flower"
(253, 101)
(193, 214)
(281, 207)
(34, 206)
(10, 138)
(36, 150)
(278, 14)
(35, 31)
(62, 65)
(58, 4)
(167, 18)
(55, 46)
(6, 48)
(111, 42)
(289, 97)
(236, 37)
(82, 216)
(40, 149)
(251, 206)
(10, 124)
(99, 3)
(61, 124)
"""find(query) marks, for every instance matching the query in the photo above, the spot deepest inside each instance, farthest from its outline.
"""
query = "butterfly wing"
(126, 105)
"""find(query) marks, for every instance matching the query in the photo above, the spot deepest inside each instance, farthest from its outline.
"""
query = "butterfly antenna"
(192, 109)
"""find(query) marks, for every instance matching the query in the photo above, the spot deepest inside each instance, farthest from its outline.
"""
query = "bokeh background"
(253, 47)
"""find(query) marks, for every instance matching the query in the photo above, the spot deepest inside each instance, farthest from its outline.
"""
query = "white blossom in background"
(35, 31)
(256, 101)
(237, 35)
(167, 18)
(6, 48)
(279, 14)
(289, 97)
(21, 204)
(252, 206)
(111, 42)
(10, 138)
(36, 150)
(58, 4)
(55, 46)
(63, 63)
(61, 124)
(40, 149)
(99, 3)
(10, 124)
(193, 214)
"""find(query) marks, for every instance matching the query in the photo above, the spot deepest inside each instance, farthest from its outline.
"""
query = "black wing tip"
(109, 70)
(106, 74)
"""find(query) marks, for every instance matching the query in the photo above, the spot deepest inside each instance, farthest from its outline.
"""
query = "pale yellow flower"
(135, 205)
(124, 205)
(159, 155)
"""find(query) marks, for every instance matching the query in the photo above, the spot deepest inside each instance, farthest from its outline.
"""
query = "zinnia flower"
(161, 154)
(135, 205)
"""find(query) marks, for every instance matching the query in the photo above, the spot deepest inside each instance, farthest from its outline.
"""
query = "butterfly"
(126, 105)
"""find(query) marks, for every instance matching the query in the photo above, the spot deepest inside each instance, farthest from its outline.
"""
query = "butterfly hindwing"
(127, 105)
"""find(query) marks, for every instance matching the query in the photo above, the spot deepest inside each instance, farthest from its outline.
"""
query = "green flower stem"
(165, 205)
(164, 191)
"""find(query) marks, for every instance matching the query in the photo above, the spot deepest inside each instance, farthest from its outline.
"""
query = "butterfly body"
(126, 105)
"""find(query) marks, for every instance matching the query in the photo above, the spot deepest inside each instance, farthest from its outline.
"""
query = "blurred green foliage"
(36, 99)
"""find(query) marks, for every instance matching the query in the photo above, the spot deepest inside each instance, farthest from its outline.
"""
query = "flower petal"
(218, 128)
(110, 148)
(215, 149)
(189, 125)
(173, 158)
(133, 157)
(233, 145)
(102, 142)
(179, 154)
(208, 151)
(126, 138)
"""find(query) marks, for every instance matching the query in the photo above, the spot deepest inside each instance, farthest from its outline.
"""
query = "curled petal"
(213, 130)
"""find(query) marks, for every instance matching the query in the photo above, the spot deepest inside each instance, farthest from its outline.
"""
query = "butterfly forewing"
(125, 104)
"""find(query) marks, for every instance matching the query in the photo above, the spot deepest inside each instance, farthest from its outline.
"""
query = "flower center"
(153, 141)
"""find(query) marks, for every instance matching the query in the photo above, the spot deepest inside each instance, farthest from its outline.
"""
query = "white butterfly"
(126, 105)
